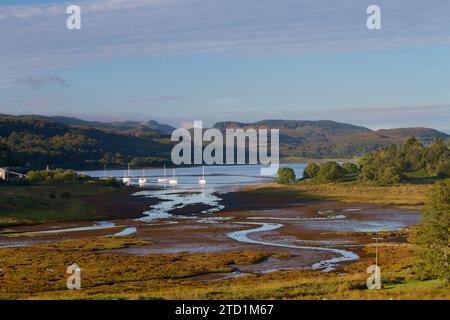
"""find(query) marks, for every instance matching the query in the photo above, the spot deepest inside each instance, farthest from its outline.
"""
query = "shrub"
(111, 182)
(311, 171)
(286, 175)
(390, 175)
(47, 176)
(330, 171)
(64, 176)
(350, 168)
(443, 170)
(34, 176)
(66, 195)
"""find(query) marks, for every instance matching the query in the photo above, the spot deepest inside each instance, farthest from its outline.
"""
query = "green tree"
(35, 176)
(47, 176)
(412, 155)
(5, 155)
(443, 169)
(286, 175)
(382, 166)
(434, 233)
(350, 168)
(66, 176)
(330, 171)
(437, 155)
(311, 171)
(390, 175)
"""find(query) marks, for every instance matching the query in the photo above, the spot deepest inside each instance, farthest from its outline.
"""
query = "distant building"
(9, 173)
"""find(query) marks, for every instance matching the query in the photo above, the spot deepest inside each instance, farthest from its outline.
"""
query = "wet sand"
(310, 234)
(124, 204)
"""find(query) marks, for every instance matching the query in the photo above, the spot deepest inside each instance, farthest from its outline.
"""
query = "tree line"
(36, 143)
(385, 166)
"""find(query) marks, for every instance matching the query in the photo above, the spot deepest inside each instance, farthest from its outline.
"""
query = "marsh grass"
(402, 195)
(30, 204)
(38, 272)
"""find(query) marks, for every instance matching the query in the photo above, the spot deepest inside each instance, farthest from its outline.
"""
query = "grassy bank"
(38, 272)
(402, 195)
(30, 204)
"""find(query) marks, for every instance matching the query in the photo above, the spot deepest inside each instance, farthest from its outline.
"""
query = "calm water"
(188, 192)
(217, 177)
(265, 226)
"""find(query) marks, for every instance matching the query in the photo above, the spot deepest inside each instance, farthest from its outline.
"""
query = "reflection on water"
(216, 176)
(125, 232)
(172, 199)
(325, 265)
(188, 192)
(188, 197)
(97, 226)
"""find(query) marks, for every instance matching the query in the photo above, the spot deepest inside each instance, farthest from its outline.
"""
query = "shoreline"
(214, 250)
(88, 203)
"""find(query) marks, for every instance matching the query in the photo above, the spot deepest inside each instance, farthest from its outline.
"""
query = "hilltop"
(330, 139)
(36, 141)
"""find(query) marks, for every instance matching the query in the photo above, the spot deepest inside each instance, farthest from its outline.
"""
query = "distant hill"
(425, 135)
(126, 126)
(325, 126)
(37, 141)
(330, 139)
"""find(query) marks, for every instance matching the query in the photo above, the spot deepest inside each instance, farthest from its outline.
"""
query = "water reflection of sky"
(188, 191)
(226, 173)
(216, 176)
(396, 221)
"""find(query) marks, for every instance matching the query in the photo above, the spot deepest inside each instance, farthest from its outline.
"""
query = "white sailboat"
(173, 181)
(163, 180)
(143, 179)
(127, 179)
(104, 173)
(202, 180)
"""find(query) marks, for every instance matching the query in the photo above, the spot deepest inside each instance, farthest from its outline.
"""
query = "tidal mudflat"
(311, 233)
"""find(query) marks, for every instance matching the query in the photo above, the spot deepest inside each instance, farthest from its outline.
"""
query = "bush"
(443, 170)
(111, 182)
(5, 155)
(34, 176)
(350, 168)
(46, 176)
(66, 195)
(65, 176)
(286, 175)
(330, 171)
(390, 175)
(311, 171)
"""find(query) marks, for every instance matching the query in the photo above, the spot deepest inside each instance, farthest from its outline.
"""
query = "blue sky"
(213, 60)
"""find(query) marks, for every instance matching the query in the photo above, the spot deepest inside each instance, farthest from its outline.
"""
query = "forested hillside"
(330, 139)
(37, 141)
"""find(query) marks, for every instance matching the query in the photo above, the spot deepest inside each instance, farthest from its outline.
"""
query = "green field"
(30, 204)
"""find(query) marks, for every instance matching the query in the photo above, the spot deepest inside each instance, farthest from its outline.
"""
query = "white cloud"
(37, 41)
